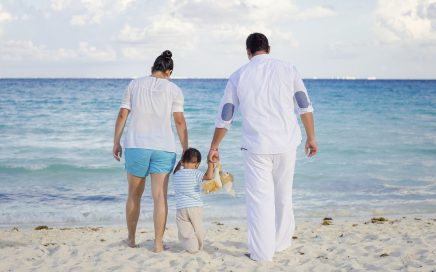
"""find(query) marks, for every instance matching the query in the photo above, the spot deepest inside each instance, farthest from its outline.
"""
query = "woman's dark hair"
(257, 42)
(191, 155)
(164, 62)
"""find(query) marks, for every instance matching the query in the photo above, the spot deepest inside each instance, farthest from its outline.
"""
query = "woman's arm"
(119, 127)
(182, 131)
(209, 172)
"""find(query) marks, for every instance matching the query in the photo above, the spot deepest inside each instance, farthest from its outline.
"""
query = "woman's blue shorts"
(140, 162)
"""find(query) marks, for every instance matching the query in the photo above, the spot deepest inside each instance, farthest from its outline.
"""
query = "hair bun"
(167, 54)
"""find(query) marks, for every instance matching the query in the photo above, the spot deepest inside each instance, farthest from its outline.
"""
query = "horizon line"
(224, 78)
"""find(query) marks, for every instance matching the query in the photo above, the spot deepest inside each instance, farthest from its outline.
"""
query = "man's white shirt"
(268, 93)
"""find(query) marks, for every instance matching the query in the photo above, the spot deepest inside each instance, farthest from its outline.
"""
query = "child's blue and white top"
(187, 188)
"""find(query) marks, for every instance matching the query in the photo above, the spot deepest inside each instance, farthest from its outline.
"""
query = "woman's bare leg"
(159, 189)
(133, 206)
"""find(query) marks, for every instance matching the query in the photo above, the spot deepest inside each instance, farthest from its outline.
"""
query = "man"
(268, 93)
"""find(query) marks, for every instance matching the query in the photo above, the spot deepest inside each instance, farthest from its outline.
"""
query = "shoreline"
(341, 244)
(230, 220)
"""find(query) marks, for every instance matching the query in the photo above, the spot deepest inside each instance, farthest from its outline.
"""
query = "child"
(189, 205)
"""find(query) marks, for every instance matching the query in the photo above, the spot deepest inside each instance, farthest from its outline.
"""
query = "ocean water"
(377, 151)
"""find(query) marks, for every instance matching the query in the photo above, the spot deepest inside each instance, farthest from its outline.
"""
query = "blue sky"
(121, 38)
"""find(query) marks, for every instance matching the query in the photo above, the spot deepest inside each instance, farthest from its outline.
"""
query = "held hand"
(117, 151)
(311, 148)
(213, 156)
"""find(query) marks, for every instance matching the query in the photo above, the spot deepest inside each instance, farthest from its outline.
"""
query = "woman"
(149, 141)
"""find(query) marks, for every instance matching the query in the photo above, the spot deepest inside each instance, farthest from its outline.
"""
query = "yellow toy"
(227, 181)
(220, 179)
(213, 185)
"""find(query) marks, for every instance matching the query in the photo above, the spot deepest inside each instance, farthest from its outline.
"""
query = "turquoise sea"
(377, 151)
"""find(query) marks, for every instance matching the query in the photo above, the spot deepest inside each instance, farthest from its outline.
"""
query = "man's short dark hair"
(257, 42)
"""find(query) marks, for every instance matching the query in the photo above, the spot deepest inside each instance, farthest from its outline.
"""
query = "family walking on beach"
(269, 93)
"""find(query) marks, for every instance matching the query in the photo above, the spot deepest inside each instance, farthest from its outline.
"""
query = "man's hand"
(117, 151)
(213, 156)
(311, 148)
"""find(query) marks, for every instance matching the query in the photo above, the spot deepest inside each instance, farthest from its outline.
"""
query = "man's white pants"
(270, 215)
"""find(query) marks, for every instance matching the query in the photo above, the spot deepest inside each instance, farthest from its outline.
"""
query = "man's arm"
(227, 110)
(310, 148)
(218, 136)
(119, 127)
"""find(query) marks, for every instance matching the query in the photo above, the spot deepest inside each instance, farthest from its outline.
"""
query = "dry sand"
(405, 244)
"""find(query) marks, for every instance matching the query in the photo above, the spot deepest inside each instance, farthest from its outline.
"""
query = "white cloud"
(94, 11)
(137, 53)
(95, 8)
(236, 11)
(226, 24)
(245, 11)
(233, 36)
(406, 20)
(163, 28)
(91, 52)
(19, 50)
(131, 34)
(124, 4)
(201, 32)
(5, 16)
(227, 20)
(167, 27)
(315, 13)
(79, 20)
(342, 49)
(162, 31)
(15, 50)
(65, 54)
(58, 5)
(25, 17)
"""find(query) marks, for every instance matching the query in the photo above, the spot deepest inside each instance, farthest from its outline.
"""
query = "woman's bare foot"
(158, 247)
(131, 243)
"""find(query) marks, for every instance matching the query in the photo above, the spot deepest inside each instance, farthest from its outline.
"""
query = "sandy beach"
(400, 244)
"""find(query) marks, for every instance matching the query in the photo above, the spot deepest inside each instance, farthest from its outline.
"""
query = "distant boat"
(371, 78)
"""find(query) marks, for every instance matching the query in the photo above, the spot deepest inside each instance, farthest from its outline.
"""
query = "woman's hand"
(119, 127)
(117, 151)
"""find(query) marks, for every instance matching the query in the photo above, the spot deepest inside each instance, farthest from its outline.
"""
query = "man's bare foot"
(158, 247)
